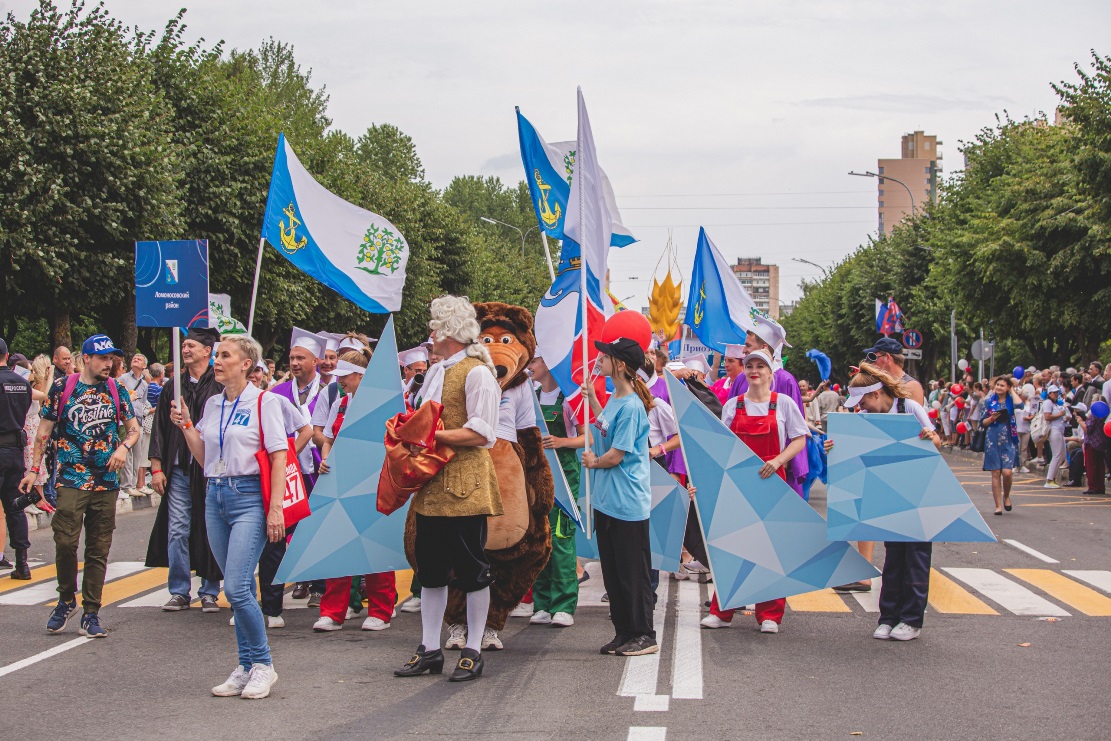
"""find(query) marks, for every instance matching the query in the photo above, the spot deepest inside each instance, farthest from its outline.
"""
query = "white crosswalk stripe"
(47, 591)
(1098, 579)
(1012, 596)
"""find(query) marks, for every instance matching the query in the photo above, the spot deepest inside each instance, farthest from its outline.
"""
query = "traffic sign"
(912, 354)
(912, 339)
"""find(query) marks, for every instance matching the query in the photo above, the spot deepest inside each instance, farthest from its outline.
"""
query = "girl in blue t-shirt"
(622, 496)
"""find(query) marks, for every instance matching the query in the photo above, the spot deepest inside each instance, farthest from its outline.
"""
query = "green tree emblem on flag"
(380, 251)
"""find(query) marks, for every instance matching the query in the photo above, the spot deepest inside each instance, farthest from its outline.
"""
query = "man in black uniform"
(15, 400)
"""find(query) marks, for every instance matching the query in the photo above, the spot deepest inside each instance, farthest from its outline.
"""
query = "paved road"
(969, 676)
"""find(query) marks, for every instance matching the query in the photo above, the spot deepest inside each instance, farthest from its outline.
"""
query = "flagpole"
(254, 288)
(586, 332)
(548, 255)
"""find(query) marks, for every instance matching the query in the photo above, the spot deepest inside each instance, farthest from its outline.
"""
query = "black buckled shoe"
(469, 666)
(422, 661)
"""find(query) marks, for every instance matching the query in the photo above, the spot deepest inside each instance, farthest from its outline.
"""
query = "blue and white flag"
(719, 309)
(548, 171)
(355, 252)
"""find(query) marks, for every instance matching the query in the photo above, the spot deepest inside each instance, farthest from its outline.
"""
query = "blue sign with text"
(171, 283)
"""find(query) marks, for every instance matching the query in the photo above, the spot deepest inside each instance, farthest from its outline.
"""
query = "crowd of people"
(212, 437)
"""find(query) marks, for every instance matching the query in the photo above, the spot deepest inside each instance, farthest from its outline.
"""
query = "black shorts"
(452, 550)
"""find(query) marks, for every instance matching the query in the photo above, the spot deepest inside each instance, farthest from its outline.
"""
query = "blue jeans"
(179, 505)
(237, 533)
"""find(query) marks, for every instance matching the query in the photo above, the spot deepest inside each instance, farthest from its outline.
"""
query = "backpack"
(1039, 428)
(67, 392)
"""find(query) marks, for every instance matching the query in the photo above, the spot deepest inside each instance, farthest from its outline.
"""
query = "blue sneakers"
(91, 627)
(61, 615)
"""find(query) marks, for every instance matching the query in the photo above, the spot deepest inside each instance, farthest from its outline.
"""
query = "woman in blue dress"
(1001, 440)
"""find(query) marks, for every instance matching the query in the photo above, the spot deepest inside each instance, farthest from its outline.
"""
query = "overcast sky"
(741, 116)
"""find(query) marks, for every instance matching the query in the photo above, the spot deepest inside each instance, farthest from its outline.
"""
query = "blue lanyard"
(224, 427)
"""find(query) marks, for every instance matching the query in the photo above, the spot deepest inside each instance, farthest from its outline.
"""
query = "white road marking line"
(870, 601)
(5, 670)
(1012, 596)
(1028, 550)
(48, 590)
(641, 673)
(652, 703)
(686, 661)
(1098, 579)
(647, 733)
(591, 591)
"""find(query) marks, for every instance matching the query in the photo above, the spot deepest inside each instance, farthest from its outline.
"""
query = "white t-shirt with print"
(515, 412)
(788, 417)
(241, 434)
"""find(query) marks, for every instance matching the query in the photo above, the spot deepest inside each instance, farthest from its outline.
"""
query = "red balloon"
(932, 414)
(629, 324)
(837, 387)
(1107, 428)
(962, 428)
(956, 388)
(959, 403)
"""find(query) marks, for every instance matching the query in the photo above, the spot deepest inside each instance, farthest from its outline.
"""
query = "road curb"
(41, 520)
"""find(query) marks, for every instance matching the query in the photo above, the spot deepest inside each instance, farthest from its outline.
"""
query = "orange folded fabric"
(413, 456)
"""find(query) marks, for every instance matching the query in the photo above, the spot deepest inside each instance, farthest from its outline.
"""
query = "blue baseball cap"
(100, 344)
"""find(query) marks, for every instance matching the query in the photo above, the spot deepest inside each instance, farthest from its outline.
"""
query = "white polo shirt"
(241, 432)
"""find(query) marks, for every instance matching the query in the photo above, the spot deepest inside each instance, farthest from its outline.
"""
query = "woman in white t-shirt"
(906, 566)
(225, 442)
(771, 425)
(336, 604)
(1054, 411)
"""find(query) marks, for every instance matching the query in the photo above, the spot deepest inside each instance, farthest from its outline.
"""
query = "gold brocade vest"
(467, 485)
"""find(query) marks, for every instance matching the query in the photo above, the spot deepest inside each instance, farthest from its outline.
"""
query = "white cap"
(737, 352)
(311, 341)
(770, 332)
(262, 366)
(427, 344)
(697, 363)
(759, 355)
(343, 368)
(415, 355)
(856, 393)
(1053, 389)
(350, 343)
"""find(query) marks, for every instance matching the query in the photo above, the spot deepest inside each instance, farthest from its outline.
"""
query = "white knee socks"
(433, 605)
(478, 606)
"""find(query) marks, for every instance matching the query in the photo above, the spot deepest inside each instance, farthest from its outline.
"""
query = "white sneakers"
(1024, 469)
(411, 605)
(275, 621)
(490, 640)
(560, 619)
(263, 677)
(250, 685)
(769, 626)
(903, 632)
(326, 624)
(713, 621)
(352, 613)
(234, 685)
(456, 636)
(373, 623)
(563, 620)
(883, 632)
(524, 609)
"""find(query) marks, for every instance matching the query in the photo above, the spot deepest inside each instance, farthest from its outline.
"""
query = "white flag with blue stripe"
(355, 252)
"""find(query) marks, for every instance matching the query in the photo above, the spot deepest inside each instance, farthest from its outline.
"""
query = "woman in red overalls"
(381, 589)
(774, 428)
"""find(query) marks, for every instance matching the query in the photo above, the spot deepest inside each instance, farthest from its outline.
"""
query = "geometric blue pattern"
(346, 534)
(563, 498)
(667, 522)
(763, 541)
(886, 483)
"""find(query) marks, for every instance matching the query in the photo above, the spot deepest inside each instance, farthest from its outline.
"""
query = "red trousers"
(772, 610)
(381, 595)
(1093, 466)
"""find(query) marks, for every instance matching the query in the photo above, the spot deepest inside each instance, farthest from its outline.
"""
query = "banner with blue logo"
(171, 283)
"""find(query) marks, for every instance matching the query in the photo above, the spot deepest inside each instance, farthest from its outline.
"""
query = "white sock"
(433, 605)
(478, 606)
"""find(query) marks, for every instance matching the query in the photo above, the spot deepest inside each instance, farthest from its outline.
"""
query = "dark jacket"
(166, 442)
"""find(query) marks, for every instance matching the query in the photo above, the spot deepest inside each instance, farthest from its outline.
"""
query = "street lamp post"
(869, 174)
(825, 273)
(514, 228)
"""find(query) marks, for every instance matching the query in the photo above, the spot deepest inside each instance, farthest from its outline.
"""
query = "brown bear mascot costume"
(519, 541)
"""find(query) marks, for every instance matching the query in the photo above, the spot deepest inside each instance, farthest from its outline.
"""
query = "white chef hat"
(415, 355)
(311, 341)
(697, 363)
(737, 352)
(771, 332)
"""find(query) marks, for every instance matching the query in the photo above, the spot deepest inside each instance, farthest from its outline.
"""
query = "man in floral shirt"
(84, 414)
